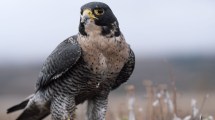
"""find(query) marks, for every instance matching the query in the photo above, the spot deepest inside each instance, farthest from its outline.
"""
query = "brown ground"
(118, 108)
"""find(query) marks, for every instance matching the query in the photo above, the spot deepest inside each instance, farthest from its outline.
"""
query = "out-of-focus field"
(194, 78)
(118, 106)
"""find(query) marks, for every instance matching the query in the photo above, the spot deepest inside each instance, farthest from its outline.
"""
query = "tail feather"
(18, 107)
(33, 113)
(32, 110)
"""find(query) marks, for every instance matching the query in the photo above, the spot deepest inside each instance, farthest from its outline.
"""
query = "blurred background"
(173, 40)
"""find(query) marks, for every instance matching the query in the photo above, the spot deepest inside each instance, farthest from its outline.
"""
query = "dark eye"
(99, 11)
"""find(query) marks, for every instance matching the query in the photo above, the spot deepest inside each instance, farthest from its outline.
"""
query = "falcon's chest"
(104, 55)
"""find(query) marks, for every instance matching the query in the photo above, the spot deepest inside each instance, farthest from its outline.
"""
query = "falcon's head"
(98, 18)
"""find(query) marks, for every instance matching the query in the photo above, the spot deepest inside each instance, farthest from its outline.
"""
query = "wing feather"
(65, 55)
(126, 71)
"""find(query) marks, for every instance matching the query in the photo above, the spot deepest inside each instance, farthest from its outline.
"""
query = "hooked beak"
(87, 15)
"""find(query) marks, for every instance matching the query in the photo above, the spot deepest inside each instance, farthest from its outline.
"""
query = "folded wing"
(59, 61)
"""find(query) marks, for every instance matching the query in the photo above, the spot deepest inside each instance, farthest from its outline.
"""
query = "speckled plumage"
(83, 67)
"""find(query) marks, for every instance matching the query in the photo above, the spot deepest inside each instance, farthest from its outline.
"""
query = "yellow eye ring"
(99, 11)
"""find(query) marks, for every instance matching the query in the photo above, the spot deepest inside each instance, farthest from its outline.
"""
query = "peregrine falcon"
(84, 67)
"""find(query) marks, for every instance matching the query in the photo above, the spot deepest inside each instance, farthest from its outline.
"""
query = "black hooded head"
(101, 15)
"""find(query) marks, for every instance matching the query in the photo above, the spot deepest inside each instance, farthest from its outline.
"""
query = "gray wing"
(65, 55)
(126, 71)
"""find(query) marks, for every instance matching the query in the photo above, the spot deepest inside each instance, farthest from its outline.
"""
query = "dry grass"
(143, 109)
(157, 102)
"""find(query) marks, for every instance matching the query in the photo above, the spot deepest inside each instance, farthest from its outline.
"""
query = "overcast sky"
(31, 29)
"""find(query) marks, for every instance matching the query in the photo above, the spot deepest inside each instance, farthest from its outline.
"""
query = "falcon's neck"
(107, 52)
(111, 30)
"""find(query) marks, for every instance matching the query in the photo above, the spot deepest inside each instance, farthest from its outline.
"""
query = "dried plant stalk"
(150, 94)
(203, 103)
(131, 102)
(173, 85)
